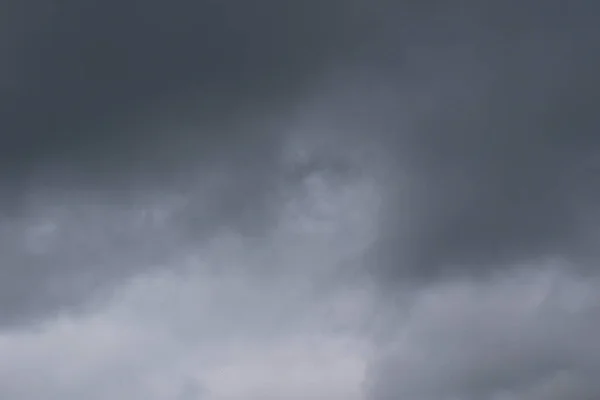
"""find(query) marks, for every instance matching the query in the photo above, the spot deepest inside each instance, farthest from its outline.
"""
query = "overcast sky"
(299, 199)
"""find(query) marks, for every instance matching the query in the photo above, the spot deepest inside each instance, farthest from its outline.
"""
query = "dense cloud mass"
(299, 199)
(528, 336)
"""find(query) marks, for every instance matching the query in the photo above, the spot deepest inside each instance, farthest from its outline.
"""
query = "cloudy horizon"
(317, 199)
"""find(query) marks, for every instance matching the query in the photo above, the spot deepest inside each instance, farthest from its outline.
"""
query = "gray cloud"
(136, 136)
(521, 337)
(116, 92)
(113, 107)
(493, 138)
(211, 324)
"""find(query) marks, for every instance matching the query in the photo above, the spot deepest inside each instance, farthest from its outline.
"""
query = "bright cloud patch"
(527, 336)
(241, 318)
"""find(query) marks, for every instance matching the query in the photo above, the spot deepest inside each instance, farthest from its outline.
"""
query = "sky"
(316, 199)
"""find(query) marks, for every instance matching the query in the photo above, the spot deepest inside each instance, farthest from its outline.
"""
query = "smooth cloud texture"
(299, 199)
(236, 319)
(117, 106)
(523, 337)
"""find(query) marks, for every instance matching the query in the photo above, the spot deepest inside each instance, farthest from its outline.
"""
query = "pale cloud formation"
(238, 318)
(523, 336)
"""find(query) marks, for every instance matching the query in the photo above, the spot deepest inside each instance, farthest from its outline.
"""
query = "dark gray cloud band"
(108, 103)
(497, 140)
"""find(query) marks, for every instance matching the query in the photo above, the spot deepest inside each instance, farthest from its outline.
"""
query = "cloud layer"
(299, 199)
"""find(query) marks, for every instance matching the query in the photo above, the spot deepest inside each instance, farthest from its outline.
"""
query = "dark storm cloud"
(106, 104)
(494, 136)
(131, 131)
(496, 131)
(86, 72)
